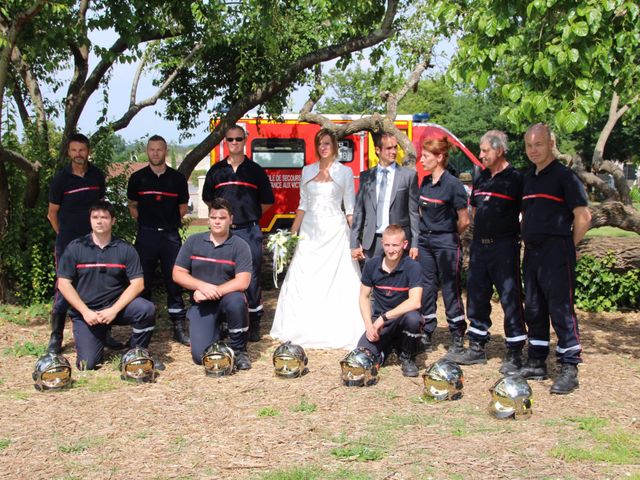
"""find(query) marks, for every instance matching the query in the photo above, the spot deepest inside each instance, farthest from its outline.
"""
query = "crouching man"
(396, 283)
(101, 278)
(216, 266)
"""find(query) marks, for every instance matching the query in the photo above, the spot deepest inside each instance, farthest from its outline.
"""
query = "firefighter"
(494, 257)
(101, 277)
(555, 219)
(158, 200)
(216, 266)
(246, 186)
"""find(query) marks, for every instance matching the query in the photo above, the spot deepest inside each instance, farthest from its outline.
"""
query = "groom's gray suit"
(403, 209)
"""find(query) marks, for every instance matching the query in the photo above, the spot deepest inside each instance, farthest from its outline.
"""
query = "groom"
(388, 195)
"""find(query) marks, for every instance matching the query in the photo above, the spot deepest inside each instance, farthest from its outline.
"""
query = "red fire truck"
(282, 148)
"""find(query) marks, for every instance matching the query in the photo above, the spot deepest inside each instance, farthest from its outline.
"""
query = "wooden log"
(625, 249)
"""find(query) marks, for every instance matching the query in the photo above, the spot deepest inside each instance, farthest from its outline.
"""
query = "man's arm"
(183, 208)
(581, 223)
(133, 209)
(414, 216)
(463, 220)
(372, 329)
(265, 207)
(135, 288)
(410, 304)
(52, 216)
(71, 295)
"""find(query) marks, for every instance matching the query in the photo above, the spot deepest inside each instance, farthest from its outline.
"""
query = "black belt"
(240, 226)
(490, 240)
(158, 229)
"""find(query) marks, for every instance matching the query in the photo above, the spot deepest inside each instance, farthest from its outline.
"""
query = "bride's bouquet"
(281, 244)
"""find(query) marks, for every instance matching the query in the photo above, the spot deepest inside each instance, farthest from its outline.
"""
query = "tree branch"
(35, 94)
(614, 116)
(615, 214)
(31, 170)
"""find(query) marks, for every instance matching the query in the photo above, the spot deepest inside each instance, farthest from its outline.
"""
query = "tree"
(221, 57)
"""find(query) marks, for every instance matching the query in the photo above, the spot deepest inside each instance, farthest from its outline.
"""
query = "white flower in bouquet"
(281, 244)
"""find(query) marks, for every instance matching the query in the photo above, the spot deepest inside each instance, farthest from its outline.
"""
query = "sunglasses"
(235, 139)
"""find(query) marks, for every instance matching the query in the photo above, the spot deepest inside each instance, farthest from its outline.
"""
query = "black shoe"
(425, 345)
(535, 369)
(158, 364)
(473, 355)
(112, 343)
(512, 362)
(408, 365)
(567, 381)
(57, 331)
(242, 361)
(180, 334)
(254, 330)
(456, 349)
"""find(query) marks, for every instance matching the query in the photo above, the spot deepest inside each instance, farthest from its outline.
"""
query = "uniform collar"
(399, 267)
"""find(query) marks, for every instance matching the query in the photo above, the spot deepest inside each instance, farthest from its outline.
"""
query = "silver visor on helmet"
(52, 372)
(218, 360)
(511, 397)
(359, 368)
(443, 380)
(289, 360)
(137, 365)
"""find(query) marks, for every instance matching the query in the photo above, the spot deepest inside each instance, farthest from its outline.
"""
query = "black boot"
(180, 334)
(57, 331)
(535, 369)
(512, 362)
(112, 343)
(408, 365)
(567, 381)
(425, 345)
(473, 355)
(243, 362)
(254, 330)
(456, 350)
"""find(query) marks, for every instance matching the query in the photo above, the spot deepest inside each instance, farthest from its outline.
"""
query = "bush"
(600, 288)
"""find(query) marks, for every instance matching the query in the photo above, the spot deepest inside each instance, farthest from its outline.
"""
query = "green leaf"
(583, 84)
(581, 29)
(574, 55)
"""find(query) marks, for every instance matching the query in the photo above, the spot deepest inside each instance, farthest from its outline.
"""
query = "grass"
(197, 229)
(304, 406)
(359, 452)
(313, 473)
(4, 443)
(22, 315)
(25, 349)
(94, 382)
(81, 445)
(610, 232)
(268, 412)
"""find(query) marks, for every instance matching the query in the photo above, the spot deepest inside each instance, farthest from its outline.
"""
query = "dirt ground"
(253, 425)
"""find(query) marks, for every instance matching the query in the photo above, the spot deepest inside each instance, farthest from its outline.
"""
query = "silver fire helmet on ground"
(443, 380)
(52, 372)
(137, 365)
(218, 360)
(511, 397)
(359, 368)
(289, 360)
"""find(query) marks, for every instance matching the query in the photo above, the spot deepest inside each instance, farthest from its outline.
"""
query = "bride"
(318, 302)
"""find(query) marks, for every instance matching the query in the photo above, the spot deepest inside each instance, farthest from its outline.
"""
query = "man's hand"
(357, 253)
(210, 291)
(413, 253)
(91, 318)
(107, 315)
(373, 330)
(198, 296)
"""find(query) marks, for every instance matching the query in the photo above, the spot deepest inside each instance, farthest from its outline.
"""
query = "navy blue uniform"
(439, 250)
(548, 201)
(390, 289)
(159, 221)
(217, 265)
(494, 257)
(74, 195)
(246, 189)
(100, 275)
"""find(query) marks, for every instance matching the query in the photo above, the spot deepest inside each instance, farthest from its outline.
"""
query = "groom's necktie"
(381, 194)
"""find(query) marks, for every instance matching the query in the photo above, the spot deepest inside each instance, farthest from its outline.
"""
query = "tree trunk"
(615, 214)
(625, 249)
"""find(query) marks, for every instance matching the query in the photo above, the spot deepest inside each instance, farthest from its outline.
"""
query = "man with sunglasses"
(246, 186)
(101, 278)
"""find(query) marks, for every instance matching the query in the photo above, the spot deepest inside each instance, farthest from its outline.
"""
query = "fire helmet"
(52, 372)
(137, 365)
(511, 397)
(218, 360)
(360, 368)
(443, 380)
(289, 360)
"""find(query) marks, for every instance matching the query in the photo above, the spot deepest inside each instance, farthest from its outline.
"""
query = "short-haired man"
(246, 186)
(73, 189)
(388, 194)
(395, 280)
(101, 278)
(494, 257)
(158, 199)
(555, 219)
(216, 266)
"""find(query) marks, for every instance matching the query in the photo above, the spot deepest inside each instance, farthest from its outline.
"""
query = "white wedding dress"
(318, 302)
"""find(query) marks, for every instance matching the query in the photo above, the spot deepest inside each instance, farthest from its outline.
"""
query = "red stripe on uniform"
(152, 192)
(494, 194)
(543, 195)
(242, 184)
(433, 200)
(212, 260)
(394, 289)
(83, 189)
(98, 265)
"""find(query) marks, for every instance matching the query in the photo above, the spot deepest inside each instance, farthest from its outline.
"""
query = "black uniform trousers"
(440, 256)
(549, 268)
(205, 322)
(402, 332)
(90, 339)
(155, 245)
(60, 304)
(252, 234)
(495, 262)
